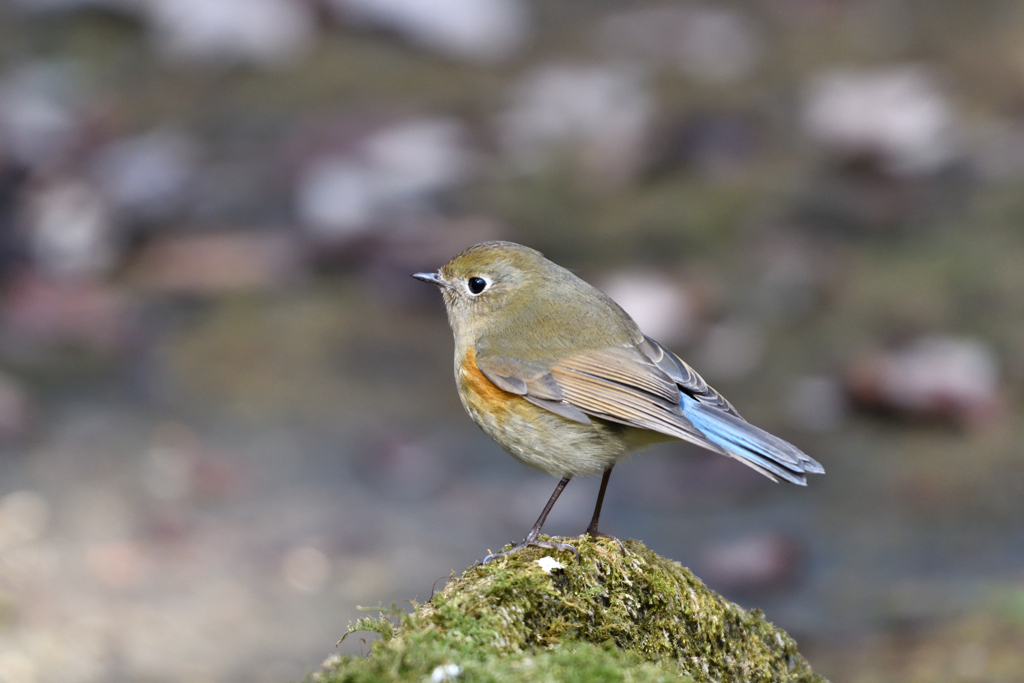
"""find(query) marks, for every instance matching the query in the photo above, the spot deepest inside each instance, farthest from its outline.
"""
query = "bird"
(563, 379)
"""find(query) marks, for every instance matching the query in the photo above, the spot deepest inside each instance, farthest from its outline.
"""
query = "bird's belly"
(535, 436)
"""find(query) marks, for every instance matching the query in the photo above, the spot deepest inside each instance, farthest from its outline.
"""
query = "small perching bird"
(564, 380)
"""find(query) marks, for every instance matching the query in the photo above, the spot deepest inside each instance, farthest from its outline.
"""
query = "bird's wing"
(648, 387)
(618, 384)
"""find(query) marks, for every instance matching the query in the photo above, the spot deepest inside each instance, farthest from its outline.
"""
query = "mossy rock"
(609, 617)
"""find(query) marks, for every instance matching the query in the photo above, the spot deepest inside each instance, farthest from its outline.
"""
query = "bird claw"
(601, 534)
(528, 543)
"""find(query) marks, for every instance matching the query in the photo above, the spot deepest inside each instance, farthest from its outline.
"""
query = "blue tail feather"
(755, 447)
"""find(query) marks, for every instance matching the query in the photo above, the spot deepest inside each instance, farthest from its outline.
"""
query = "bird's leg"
(592, 529)
(531, 538)
(535, 531)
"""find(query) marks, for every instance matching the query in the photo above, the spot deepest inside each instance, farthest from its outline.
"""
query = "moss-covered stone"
(608, 617)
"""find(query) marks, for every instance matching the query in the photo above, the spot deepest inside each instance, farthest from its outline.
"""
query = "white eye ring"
(477, 284)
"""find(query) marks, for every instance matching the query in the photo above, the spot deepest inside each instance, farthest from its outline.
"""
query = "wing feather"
(684, 376)
(520, 377)
(627, 366)
(615, 401)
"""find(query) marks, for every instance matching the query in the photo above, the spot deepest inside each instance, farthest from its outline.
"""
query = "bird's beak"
(432, 278)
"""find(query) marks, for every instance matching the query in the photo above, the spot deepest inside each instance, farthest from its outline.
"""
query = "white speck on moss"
(549, 564)
(445, 672)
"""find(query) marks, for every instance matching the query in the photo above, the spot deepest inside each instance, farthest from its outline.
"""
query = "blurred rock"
(418, 158)
(714, 45)
(754, 563)
(394, 172)
(71, 229)
(899, 115)
(938, 378)
(485, 31)
(147, 176)
(599, 115)
(663, 308)
(334, 200)
(817, 404)
(40, 315)
(894, 153)
(216, 263)
(39, 106)
(268, 33)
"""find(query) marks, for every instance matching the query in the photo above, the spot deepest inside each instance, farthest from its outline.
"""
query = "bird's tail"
(768, 454)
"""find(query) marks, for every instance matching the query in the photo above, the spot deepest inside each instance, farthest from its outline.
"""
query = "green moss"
(609, 617)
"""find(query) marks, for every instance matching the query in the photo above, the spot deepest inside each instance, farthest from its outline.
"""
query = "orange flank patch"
(479, 391)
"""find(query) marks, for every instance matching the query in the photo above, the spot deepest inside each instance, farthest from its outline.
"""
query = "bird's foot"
(594, 533)
(532, 543)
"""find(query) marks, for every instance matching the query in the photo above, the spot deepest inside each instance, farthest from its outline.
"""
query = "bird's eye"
(476, 284)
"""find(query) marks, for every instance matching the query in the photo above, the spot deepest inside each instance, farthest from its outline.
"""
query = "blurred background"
(227, 413)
